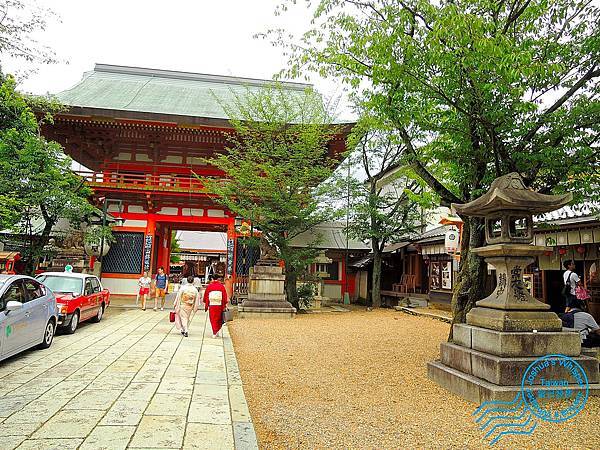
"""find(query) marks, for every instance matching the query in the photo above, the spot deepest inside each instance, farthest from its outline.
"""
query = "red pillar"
(168, 236)
(160, 242)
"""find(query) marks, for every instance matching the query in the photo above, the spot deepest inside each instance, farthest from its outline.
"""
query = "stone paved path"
(131, 381)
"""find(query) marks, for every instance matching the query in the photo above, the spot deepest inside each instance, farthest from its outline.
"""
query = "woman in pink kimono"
(186, 305)
(215, 301)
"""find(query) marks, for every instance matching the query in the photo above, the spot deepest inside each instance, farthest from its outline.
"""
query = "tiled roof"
(570, 214)
(330, 236)
(162, 91)
(433, 235)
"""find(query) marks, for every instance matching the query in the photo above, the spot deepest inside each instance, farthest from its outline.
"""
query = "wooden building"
(140, 137)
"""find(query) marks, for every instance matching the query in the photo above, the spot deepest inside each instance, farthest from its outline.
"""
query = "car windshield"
(62, 284)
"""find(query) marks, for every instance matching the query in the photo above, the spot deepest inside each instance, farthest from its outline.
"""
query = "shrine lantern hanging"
(452, 241)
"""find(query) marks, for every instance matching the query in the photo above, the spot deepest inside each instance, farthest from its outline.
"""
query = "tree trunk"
(376, 294)
(470, 283)
(291, 291)
(37, 249)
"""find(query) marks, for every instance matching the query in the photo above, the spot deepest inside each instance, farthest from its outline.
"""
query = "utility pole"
(346, 292)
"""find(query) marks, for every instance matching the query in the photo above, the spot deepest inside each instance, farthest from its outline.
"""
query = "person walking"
(144, 283)
(215, 301)
(161, 285)
(571, 280)
(186, 305)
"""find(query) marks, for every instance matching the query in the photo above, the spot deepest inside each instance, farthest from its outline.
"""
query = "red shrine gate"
(141, 135)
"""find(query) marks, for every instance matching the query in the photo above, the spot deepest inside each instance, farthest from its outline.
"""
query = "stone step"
(478, 391)
(265, 296)
(505, 371)
(513, 343)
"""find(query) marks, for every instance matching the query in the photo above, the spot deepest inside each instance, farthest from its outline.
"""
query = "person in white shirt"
(144, 283)
(571, 280)
(588, 328)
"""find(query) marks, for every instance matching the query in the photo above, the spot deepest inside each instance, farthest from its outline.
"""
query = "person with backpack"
(571, 280)
(161, 283)
(186, 305)
(588, 328)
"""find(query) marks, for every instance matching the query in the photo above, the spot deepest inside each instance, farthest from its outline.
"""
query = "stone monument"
(509, 329)
(266, 289)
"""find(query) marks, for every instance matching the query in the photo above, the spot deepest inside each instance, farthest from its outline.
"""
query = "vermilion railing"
(163, 182)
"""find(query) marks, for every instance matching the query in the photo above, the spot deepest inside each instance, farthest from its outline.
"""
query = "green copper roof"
(161, 91)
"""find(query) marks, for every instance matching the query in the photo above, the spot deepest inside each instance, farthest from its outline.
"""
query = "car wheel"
(73, 324)
(48, 335)
(99, 315)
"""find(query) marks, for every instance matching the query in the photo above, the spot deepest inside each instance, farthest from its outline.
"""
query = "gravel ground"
(359, 380)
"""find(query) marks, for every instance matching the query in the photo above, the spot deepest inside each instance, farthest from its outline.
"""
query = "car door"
(97, 293)
(15, 333)
(37, 306)
(88, 302)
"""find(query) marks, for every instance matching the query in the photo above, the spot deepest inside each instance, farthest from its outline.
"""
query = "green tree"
(19, 21)
(475, 88)
(35, 174)
(274, 165)
(386, 198)
(175, 247)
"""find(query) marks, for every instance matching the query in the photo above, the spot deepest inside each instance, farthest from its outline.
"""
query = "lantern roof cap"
(509, 192)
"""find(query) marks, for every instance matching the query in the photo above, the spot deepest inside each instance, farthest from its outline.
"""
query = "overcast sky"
(205, 36)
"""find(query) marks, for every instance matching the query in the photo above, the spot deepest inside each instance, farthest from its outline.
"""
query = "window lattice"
(125, 254)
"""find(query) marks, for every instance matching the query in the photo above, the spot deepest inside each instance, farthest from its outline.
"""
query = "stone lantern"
(508, 330)
(321, 262)
(508, 208)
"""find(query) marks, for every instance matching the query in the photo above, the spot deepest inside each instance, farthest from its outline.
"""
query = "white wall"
(121, 286)
(333, 291)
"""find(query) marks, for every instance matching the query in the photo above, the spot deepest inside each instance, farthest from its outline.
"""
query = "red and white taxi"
(79, 297)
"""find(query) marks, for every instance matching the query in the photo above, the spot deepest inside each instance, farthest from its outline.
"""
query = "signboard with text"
(147, 253)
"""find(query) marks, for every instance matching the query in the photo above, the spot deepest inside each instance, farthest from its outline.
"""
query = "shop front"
(579, 240)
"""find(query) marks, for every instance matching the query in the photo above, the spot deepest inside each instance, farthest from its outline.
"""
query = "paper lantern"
(562, 251)
(548, 253)
(451, 241)
(581, 249)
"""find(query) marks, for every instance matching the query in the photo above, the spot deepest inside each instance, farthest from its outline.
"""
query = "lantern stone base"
(507, 320)
(476, 390)
(483, 365)
(266, 296)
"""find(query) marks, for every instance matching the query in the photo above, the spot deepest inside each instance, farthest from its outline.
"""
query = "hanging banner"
(147, 253)
(230, 251)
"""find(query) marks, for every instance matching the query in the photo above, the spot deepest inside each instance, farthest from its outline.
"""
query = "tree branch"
(592, 73)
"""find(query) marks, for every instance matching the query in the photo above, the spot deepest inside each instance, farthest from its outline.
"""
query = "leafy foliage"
(480, 87)
(387, 200)
(19, 21)
(274, 165)
(475, 89)
(35, 174)
(175, 247)
(93, 235)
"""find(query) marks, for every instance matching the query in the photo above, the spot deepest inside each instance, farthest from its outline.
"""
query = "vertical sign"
(230, 247)
(147, 253)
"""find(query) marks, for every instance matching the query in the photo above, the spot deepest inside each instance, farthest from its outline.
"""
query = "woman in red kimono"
(215, 300)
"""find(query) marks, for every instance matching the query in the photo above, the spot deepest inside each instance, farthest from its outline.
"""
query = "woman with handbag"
(186, 305)
(215, 302)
